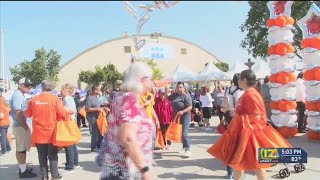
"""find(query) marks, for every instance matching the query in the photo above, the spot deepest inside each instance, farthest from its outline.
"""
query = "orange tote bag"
(174, 130)
(102, 123)
(159, 139)
(82, 112)
(67, 133)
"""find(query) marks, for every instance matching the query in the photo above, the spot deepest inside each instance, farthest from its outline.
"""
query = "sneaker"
(154, 164)
(95, 150)
(57, 178)
(68, 171)
(168, 147)
(27, 174)
(182, 151)
(78, 167)
(186, 154)
(30, 168)
(229, 177)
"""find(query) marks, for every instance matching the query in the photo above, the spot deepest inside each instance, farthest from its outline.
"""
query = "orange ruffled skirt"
(238, 146)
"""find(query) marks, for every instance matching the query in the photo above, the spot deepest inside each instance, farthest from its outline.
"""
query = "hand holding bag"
(174, 131)
(102, 123)
(159, 139)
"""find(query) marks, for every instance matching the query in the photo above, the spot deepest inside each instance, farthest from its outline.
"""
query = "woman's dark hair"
(94, 87)
(204, 90)
(180, 83)
(235, 79)
(250, 76)
(300, 75)
(266, 80)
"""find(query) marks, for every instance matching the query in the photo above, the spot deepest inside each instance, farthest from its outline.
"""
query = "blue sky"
(71, 27)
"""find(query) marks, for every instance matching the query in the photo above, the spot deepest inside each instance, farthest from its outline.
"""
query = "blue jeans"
(72, 156)
(185, 121)
(229, 170)
(5, 146)
(96, 138)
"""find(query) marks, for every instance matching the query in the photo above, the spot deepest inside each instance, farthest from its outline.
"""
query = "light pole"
(2, 62)
(249, 63)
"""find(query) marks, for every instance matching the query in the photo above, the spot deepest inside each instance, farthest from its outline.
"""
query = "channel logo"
(268, 153)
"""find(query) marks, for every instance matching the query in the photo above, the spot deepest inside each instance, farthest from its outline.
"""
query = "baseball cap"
(25, 81)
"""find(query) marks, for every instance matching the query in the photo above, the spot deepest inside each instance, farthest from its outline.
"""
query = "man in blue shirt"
(22, 133)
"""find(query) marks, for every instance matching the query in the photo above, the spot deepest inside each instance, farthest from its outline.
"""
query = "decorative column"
(310, 26)
(282, 65)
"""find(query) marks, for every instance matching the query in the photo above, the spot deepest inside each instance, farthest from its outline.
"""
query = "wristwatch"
(144, 169)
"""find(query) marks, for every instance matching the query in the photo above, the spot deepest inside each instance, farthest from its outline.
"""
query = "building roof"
(124, 37)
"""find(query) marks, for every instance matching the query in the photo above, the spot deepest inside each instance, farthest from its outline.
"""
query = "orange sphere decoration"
(273, 78)
(311, 42)
(292, 77)
(316, 73)
(308, 75)
(312, 74)
(273, 105)
(290, 49)
(272, 50)
(280, 21)
(290, 21)
(283, 105)
(287, 132)
(281, 49)
(283, 78)
(315, 42)
(313, 106)
(304, 43)
(270, 22)
(313, 135)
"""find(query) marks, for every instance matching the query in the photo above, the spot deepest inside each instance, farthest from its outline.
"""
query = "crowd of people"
(135, 111)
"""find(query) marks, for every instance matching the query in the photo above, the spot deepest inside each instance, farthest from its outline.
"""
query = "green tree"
(45, 65)
(222, 66)
(255, 41)
(106, 74)
(156, 72)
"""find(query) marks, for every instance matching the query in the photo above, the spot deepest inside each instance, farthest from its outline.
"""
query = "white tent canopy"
(236, 68)
(211, 72)
(261, 69)
(181, 73)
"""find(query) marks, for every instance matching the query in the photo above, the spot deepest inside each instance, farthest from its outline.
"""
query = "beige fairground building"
(166, 51)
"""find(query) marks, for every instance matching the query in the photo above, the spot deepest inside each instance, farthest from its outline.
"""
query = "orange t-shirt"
(45, 109)
(4, 112)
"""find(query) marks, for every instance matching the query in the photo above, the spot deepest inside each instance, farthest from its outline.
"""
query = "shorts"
(207, 112)
(23, 138)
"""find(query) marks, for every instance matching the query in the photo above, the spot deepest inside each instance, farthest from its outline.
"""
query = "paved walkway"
(170, 165)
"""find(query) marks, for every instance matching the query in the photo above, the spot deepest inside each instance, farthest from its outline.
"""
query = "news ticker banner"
(282, 155)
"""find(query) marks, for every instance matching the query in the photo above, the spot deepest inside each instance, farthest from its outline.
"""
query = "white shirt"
(236, 94)
(300, 90)
(206, 100)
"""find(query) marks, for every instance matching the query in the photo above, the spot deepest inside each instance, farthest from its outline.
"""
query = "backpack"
(228, 102)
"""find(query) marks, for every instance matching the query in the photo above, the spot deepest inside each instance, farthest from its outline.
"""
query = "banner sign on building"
(157, 51)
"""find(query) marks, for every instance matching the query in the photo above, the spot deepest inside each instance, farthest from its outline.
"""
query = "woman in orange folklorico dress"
(248, 131)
